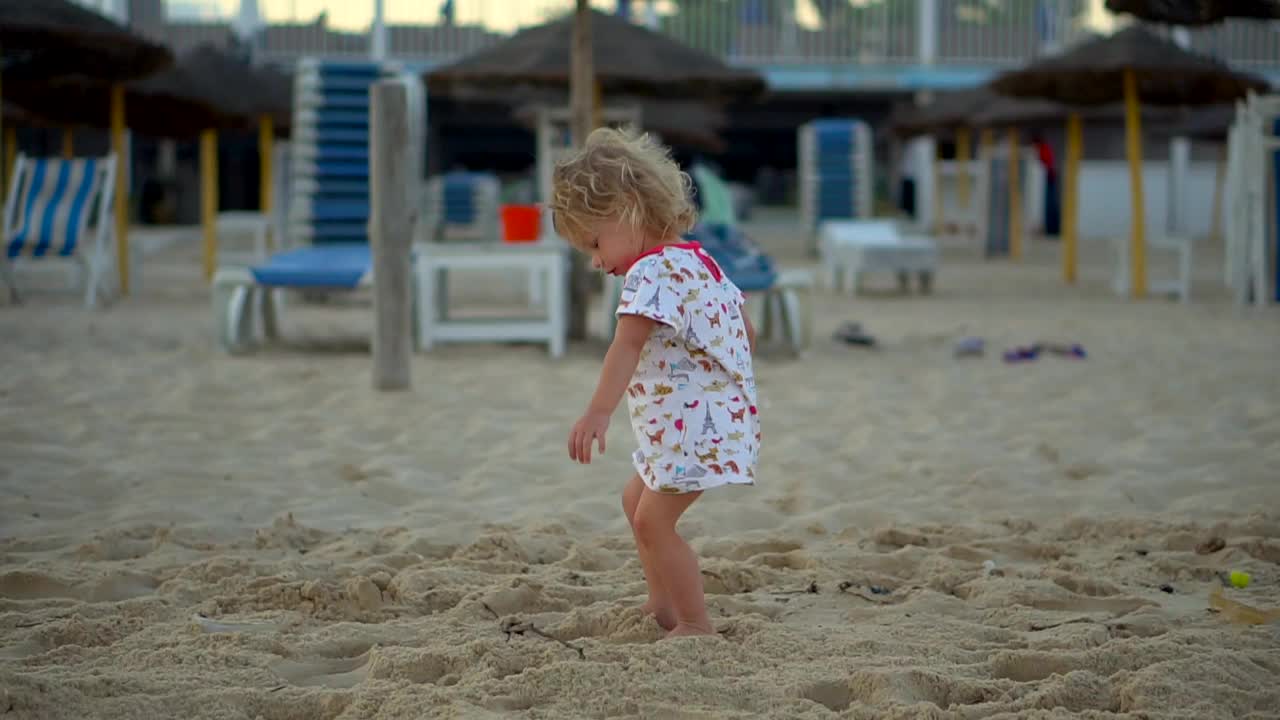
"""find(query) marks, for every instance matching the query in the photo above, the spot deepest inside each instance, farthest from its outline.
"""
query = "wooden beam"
(1137, 227)
(209, 199)
(266, 145)
(1071, 200)
(121, 209)
(582, 90)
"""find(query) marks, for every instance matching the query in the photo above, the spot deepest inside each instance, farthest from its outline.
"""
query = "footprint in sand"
(323, 672)
(215, 626)
(27, 585)
(30, 585)
(904, 687)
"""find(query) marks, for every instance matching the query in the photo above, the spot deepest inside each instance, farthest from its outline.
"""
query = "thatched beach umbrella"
(1038, 114)
(1196, 12)
(1131, 65)
(58, 37)
(623, 58)
(1207, 123)
(685, 122)
(43, 39)
(948, 110)
(949, 113)
(206, 91)
(627, 59)
(242, 95)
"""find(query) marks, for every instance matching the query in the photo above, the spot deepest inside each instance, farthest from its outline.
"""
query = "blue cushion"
(340, 266)
(748, 268)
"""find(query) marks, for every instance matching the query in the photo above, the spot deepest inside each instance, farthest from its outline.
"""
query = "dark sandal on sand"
(852, 334)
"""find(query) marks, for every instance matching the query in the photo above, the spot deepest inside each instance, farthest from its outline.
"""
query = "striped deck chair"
(48, 212)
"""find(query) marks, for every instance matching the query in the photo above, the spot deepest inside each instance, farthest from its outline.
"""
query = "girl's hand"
(591, 426)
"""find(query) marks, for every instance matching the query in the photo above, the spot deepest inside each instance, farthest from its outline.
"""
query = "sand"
(186, 534)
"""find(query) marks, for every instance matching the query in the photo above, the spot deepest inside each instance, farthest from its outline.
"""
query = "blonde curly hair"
(622, 175)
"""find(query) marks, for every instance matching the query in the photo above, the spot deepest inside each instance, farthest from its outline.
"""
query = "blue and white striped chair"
(47, 214)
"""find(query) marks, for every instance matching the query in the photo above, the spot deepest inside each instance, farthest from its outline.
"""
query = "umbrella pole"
(1133, 147)
(1071, 199)
(582, 86)
(1015, 198)
(68, 143)
(266, 139)
(209, 199)
(121, 204)
(962, 168)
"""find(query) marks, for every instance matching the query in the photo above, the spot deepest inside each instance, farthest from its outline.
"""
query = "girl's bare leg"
(673, 560)
(658, 604)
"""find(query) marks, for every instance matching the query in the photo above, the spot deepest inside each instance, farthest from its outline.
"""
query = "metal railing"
(1244, 43)
(990, 33)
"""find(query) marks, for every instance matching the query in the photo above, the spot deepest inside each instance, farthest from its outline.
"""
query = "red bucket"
(520, 223)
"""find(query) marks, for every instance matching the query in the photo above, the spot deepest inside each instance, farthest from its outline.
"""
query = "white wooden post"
(1179, 162)
(390, 234)
(378, 33)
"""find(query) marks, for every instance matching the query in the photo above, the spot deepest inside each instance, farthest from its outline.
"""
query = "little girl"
(681, 353)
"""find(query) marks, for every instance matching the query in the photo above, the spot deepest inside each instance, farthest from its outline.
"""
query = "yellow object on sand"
(1239, 612)
(1240, 579)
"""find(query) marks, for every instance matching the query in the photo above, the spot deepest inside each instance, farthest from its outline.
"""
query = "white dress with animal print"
(693, 395)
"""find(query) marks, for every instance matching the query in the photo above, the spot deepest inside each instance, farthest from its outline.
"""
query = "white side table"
(548, 260)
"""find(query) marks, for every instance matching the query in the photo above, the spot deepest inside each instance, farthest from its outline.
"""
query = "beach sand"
(187, 534)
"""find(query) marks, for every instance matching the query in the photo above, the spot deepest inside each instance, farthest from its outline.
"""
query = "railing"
(1245, 43)
(990, 33)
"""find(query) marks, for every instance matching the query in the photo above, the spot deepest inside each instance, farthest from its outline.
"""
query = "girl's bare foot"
(682, 629)
(665, 616)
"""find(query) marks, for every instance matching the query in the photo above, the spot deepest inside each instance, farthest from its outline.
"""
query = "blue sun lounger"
(241, 293)
(753, 272)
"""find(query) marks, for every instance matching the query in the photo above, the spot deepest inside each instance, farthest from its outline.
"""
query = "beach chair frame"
(1252, 192)
(93, 260)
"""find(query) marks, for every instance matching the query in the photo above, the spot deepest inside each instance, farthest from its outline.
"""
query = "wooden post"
(1137, 228)
(390, 234)
(1071, 200)
(582, 87)
(68, 143)
(266, 140)
(962, 168)
(1015, 197)
(121, 209)
(582, 83)
(209, 199)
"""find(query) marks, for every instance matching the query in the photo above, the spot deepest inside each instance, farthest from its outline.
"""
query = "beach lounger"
(784, 293)
(460, 206)
(244, 306)
(48, 214)
(851, 248)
